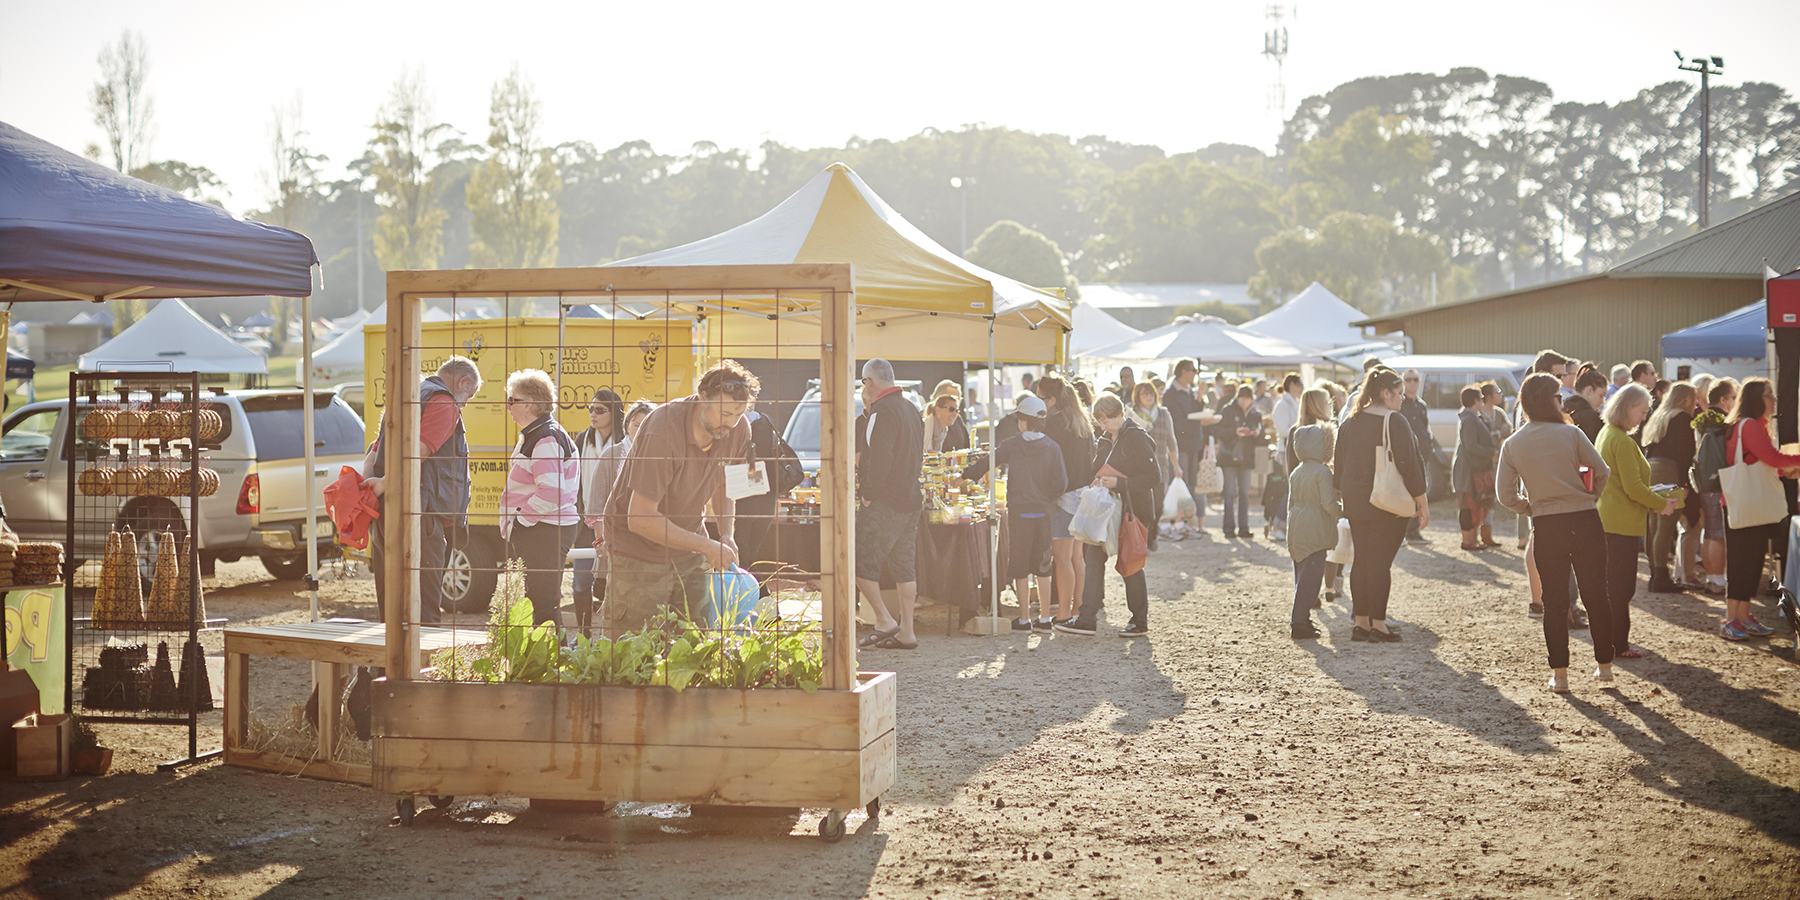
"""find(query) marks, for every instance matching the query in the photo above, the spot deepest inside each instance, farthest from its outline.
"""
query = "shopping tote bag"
(1753, 494)
(1389, 493)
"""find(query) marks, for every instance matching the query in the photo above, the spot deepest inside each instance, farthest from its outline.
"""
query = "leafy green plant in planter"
(668, 651)
(773, 653)
(516, 650)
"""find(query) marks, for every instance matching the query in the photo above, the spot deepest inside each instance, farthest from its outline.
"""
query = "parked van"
(1441, 380)
(259, 509)
(802, 433)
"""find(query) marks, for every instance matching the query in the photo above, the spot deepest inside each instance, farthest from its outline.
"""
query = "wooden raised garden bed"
(711, 746)
(769, 747)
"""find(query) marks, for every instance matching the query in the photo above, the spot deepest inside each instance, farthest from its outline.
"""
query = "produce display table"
(336, 646)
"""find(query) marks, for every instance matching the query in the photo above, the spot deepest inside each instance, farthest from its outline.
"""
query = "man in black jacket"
(1182, 400)
(1413, 410)
(891, 450)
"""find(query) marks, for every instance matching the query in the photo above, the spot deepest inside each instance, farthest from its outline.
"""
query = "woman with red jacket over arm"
(1746, 548)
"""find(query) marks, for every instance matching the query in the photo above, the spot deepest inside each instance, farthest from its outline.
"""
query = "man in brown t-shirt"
(654, 519)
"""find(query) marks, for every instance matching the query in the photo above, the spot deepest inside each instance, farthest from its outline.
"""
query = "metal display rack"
(136, 443)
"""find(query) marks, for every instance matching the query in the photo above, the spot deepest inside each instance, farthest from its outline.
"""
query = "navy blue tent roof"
(1739, 334)
(71, 228)
(18, 365)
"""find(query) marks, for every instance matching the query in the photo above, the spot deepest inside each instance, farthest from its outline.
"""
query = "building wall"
(1610, 320)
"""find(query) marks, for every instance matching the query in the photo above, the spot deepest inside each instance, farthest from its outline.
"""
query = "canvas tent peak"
(1210, 340)
(905, 281)
(172, 337)
(1315, 318)
(72, 229)
(1095, 327)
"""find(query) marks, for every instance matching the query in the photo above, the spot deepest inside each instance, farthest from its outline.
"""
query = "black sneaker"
(1039, 626)
(1077, 626)
(1535, 610)
(1021, 624)
(1304, 632)
(1135, 629)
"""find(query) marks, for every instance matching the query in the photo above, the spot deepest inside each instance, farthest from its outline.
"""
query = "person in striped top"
(537, 510)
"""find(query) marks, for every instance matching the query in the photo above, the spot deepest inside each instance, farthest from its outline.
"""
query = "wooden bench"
(333, 647)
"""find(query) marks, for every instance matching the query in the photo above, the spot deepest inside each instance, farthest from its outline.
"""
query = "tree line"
(1392, 191)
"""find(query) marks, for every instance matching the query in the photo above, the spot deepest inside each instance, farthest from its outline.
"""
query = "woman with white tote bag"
(1756, 513)
(1380, 475)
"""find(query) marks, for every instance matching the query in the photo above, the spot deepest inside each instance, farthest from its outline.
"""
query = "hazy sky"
(1179, 75)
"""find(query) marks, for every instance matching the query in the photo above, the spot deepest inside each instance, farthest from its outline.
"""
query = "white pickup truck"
(259, 509)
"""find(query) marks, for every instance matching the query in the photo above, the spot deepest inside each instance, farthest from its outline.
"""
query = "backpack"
(1709, 458)
(766, 443)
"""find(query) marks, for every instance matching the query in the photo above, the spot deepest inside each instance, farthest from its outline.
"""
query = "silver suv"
(259, 509)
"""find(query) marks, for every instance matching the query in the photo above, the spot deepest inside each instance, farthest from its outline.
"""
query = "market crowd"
(1603, 467)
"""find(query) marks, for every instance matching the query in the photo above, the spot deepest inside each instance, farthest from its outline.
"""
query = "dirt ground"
(1215, 758)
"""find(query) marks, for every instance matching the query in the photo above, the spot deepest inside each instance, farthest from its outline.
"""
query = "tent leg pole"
(310, 531)
(993, 477)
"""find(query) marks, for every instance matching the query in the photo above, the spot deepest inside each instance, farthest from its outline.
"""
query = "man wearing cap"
(891, 451)
(1035, 479)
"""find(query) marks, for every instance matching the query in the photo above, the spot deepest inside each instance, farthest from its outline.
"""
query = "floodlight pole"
(962, 184)
(1707, 67)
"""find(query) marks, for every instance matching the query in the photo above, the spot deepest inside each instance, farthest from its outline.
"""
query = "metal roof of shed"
(1741, 246)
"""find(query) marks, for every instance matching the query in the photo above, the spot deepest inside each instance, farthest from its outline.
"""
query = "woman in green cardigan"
(1624, 506)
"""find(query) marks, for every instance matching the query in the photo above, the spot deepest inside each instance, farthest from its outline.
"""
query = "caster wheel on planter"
(442, 801)
(874, 809)
(406, 808)
(831, 828)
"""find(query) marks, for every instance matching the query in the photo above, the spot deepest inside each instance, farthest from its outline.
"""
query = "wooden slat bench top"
(350, 643)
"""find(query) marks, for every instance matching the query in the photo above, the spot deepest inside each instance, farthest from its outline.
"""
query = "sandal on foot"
(874, 638)
(893, 643)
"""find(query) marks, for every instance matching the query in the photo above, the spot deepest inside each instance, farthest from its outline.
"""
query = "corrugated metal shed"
(1622, 314)
(1740, 246)
(1606, 319)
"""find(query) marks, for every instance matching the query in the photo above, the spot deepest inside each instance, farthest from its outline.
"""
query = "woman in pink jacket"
(537, 509)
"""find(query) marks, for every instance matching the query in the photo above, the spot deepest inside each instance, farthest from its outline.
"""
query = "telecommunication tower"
(1275, 47)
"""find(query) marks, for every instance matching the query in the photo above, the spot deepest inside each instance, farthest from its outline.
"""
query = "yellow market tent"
(914, 298)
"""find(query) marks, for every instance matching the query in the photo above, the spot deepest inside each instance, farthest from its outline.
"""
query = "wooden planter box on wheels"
(832, 749)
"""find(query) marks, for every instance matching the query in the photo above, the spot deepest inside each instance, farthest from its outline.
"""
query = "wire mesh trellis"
(638, 345)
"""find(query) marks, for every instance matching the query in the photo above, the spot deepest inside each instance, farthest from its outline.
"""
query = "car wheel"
(472, 571)
(285, 568)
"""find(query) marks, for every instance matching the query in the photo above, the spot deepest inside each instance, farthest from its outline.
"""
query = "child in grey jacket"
(1312, 516)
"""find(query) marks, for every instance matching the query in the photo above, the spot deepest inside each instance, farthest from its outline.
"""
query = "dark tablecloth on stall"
(953, 562)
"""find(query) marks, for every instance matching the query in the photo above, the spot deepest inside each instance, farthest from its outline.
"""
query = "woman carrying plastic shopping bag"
(1756, 513)
(1127, 457)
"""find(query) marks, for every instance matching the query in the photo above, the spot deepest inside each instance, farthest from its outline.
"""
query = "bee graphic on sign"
(650, 347)
(472, 348)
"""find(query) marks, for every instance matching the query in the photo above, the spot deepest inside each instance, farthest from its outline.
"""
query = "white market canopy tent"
(1095, 327)
(1211, 340)
(340, 360)
(172, 337)
(906, 283)
(1314, 318)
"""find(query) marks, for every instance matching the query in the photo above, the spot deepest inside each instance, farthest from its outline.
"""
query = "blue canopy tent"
(1733, 344)
(72, 229)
